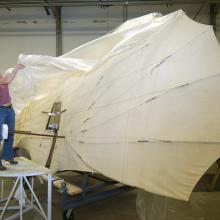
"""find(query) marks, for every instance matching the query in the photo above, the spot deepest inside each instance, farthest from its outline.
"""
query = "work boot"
(14, 162)
(2, 167)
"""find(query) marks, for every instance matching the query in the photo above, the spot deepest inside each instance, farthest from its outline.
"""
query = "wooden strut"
(36, 134)
(50, 156)
(53, 124)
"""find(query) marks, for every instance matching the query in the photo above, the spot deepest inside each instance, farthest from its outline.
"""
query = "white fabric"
(142, 104)
(17, 195)
(4, 131)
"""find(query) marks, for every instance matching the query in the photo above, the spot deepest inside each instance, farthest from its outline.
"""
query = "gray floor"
(121, 207)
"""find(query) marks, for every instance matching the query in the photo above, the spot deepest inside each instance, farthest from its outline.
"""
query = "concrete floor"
(121, 207)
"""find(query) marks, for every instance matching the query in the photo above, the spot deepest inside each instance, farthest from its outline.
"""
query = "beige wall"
(12, 46)
(31, 31)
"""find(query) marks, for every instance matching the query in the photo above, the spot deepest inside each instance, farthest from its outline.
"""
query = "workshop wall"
(32, 30)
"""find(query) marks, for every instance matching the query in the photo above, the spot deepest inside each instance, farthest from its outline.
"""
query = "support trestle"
(103, 189)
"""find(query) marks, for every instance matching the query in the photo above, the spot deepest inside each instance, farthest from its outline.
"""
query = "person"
(7, 115)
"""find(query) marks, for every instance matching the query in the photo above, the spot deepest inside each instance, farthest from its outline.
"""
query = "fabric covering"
(202, 206)
(142, 104)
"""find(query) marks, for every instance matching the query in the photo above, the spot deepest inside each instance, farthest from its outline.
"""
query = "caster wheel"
(68, 215)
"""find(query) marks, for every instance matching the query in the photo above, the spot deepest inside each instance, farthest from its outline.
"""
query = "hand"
(19, 66)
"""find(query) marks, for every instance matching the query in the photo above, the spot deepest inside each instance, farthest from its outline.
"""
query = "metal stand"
(211, 184)
(102, 190)
(24, 170)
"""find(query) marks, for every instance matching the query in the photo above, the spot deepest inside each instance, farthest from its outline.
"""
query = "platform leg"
(2, 190)
(21, 198)
(9, 198)
(49, 195)
(32, 197)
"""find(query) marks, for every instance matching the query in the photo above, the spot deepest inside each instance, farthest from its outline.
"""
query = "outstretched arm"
(9, 77)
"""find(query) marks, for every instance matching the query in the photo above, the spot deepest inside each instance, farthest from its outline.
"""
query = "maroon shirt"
(5, 97)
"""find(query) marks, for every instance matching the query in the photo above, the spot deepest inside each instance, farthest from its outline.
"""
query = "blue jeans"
(7, 116)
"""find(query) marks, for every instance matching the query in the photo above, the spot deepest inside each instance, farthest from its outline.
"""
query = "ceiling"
(47, 3)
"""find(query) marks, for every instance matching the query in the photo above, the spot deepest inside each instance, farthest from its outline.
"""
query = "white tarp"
(142, 104)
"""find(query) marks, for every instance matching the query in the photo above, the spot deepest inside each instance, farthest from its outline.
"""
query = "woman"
(7, 115)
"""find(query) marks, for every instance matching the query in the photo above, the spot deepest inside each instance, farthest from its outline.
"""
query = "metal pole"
(125, 12)
(13, 3)
(200, 9)
(213, 13)
(2, 190)
(21, 198)
(32, 197)
(57, 15)
(49, 195)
